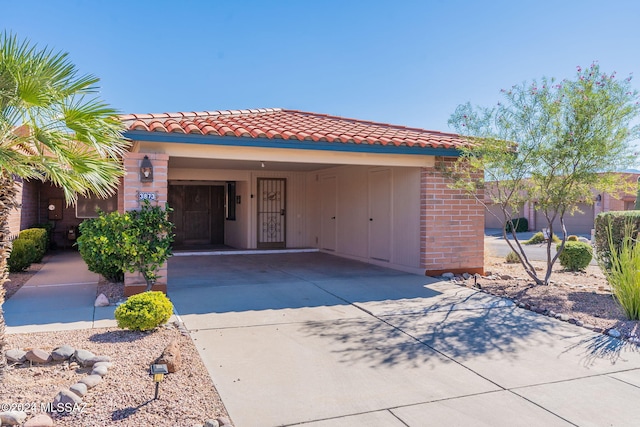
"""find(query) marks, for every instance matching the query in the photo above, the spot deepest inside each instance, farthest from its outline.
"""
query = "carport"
(274, 179)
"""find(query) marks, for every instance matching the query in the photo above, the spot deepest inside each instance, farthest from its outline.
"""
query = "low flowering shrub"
(144, 311)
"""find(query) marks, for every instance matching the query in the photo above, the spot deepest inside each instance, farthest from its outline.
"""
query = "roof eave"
(138, 135)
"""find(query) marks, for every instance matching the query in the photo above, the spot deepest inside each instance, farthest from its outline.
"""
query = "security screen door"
(272, 212)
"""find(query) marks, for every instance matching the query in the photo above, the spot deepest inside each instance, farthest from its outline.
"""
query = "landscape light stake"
(158, 371)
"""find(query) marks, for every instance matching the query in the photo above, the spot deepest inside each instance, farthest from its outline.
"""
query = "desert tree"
(548, 142)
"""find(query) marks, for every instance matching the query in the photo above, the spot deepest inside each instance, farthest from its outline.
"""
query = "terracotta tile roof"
(276, 123)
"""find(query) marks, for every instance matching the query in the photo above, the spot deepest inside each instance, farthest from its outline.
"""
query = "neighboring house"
(581, 222)
(274, 178)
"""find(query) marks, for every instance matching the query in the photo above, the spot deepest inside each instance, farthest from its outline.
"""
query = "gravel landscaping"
(124, 396)
(579, 297)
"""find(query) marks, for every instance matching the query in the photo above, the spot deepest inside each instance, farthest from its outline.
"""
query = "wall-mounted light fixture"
(599, 198)
(146, 170)
(261, 164)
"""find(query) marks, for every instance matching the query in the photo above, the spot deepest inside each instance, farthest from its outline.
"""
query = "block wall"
(451, 225)
(132, 187)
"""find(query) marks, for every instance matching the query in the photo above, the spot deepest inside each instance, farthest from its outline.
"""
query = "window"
(87, 207)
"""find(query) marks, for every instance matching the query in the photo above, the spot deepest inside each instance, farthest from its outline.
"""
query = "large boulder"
(171, 357)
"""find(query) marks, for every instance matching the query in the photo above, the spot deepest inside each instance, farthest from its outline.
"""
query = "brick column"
(134, 283)
(451, 226)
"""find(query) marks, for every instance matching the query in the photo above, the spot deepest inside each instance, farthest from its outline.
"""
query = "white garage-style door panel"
(578, 223)
(380, 214)
(377, 212)
(328, 211)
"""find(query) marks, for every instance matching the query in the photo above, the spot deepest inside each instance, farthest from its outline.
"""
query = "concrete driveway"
(315, 340)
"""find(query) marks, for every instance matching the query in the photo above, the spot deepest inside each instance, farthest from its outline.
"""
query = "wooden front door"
(198, 214)
(272, 212)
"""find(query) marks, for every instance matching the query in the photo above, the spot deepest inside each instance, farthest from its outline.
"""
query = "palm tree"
(53, 128)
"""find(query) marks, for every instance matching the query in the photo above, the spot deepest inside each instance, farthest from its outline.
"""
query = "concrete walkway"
(59, 296)
(318, 341)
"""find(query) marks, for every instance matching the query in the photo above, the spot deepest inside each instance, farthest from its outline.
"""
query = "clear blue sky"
(401, 62)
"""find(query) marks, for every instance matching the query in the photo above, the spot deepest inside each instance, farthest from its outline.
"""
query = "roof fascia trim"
(138, 135)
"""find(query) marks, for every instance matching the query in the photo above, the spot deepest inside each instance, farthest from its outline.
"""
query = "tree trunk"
(8, 193)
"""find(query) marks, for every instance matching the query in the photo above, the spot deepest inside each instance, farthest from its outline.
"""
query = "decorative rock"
(588, 326)
(466, 276)
(84, 357)
(63, 352)
(79, 388)
(97, 359)
(12, 418)
(73, 365)
(579, 323)
(105, 364)
(15, 355)
(552, 313)
(66, 399)
(91, 380)
(211, 423)
(224, 421)
(614, 333)
(101, 301)
(521, 304)
(448, 275)
(38, 356)
(171, 357)
(506, 277)
(40, 420)
(564, 318)
(99, 370)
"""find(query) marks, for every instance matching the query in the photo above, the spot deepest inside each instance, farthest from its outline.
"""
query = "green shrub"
(617, 221)
(572, 238)
(520, 224)
(575, 256)
(144, 311)
(99, 245)
(623, 273)
(21, 255)
(539, 238)
(48, 226)
(39, 238)
(512, 258)
(136, 241)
